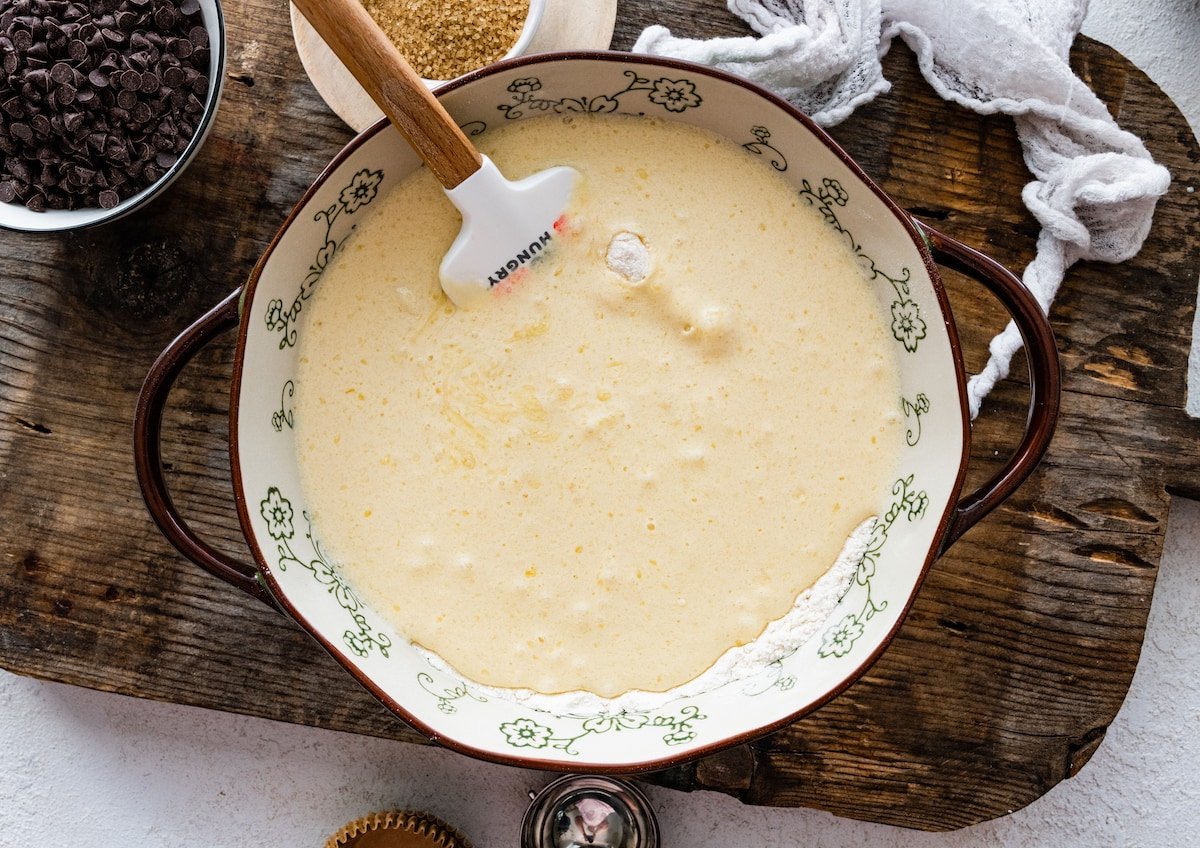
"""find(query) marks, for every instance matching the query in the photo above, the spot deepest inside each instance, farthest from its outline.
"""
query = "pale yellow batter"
(598, 482)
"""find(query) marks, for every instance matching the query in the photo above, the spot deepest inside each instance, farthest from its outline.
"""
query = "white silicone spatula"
(504, 224)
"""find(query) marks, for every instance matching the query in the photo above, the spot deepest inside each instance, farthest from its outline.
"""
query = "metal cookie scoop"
(505, 224)
(579, 811)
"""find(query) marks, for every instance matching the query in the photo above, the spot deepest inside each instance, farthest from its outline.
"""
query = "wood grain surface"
(1016, 655)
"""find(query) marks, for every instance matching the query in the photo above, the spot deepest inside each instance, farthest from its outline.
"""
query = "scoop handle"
(379, 67)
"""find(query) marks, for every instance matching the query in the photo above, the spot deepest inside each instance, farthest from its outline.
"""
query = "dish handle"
(147, 450)
(1045, 376)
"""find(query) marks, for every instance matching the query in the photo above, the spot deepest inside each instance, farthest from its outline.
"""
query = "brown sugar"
(443, 39)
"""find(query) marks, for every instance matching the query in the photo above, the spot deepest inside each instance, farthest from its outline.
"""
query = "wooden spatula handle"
(385, 74)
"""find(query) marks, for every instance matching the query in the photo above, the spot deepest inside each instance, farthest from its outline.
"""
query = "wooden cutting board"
(1016, 655)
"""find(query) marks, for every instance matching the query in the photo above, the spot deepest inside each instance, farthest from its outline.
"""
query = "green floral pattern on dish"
(362, 638)
(448, 694)
(284, 415)
(527, 733)
(774, 679)
(839, 639)
(908, 327)
(363, 188)
(914, 409)
(762, 147)
(672, 95)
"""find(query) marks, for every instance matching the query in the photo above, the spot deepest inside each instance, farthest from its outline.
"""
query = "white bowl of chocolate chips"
(102, 104)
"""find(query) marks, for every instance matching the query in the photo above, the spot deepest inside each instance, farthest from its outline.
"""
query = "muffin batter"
(603, 480)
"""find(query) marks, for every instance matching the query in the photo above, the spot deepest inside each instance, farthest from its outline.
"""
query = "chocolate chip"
(173, 77)
(131, 80)
(65, 94)
(108, 199)
(8, 191)
(20, 169)
(164, 17)
(39, 79)
(189, 7)
(62, 72)
(127, 99)
(150, 83)
(21, 131)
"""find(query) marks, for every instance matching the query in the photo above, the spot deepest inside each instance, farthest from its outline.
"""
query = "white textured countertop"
(111, 771)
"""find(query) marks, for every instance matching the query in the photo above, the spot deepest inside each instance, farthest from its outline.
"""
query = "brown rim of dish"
(944, 520)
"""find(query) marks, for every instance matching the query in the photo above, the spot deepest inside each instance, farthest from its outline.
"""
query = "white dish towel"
(1094, 187)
